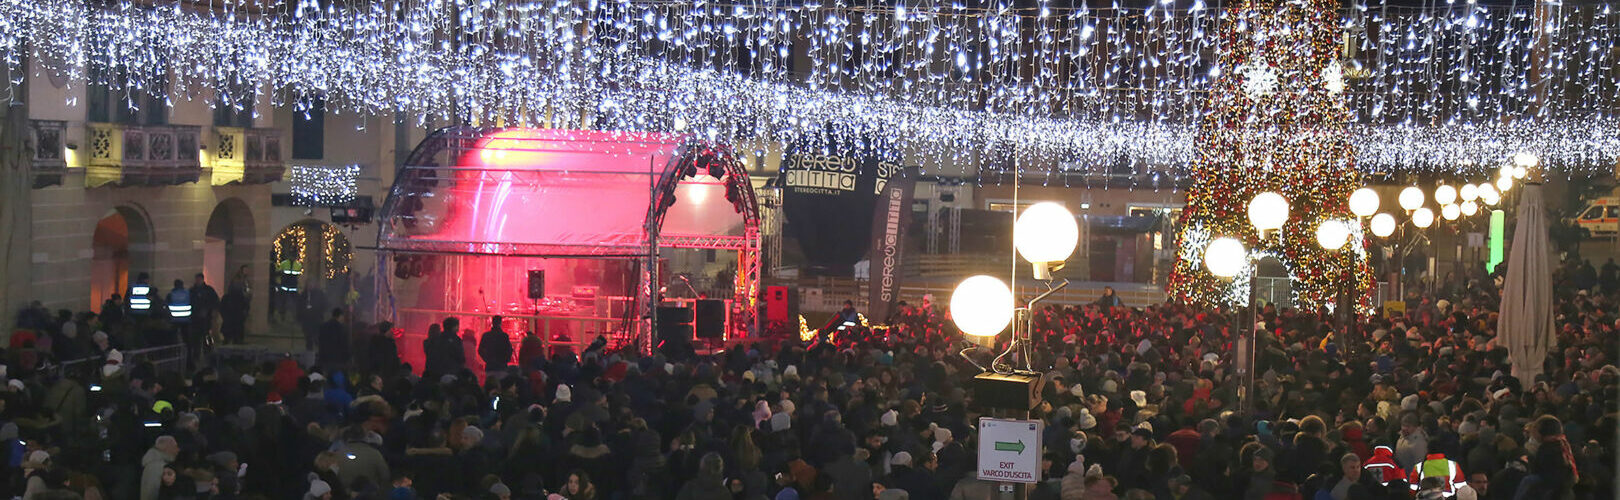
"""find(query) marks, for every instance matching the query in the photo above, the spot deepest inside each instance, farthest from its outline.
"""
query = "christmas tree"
(1275, 121)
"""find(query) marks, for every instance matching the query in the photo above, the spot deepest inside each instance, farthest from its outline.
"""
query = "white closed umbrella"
(1526, 324)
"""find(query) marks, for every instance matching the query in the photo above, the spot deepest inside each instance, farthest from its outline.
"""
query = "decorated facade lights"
(320, 185)
(649, 65)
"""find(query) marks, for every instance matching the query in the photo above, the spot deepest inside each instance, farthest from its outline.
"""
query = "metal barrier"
(168, 358)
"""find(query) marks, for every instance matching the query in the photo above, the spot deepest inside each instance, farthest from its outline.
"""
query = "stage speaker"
(776, 303)
(537, 284)
(710, 315)
(674, 338)
(669, 315)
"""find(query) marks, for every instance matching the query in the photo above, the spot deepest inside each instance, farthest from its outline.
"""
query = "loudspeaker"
(674, 333)
(668, 315)
(1018, 391)
(711, 319)
(776, 303)
(537, 284)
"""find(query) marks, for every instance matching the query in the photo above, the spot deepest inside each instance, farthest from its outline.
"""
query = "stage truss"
(438, 162)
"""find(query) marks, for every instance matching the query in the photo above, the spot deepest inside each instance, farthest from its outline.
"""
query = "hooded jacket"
(1382, 466)
(152, 464)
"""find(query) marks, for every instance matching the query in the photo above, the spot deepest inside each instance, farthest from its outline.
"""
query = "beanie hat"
(36, 459)
(1085, 420)
(222, 458)
(791, 371)
(902, 458)
(762, 412)
(1468, 427)
(499, 489)
(1139, 397)
(890, 418)
(1110, 386)
(317, 488)
(564, 394)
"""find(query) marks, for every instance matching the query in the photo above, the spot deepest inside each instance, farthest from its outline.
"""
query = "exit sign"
(1010, 450)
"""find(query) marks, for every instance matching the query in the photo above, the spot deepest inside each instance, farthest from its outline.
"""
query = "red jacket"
(1186, 442)
(1383, 466)
(1358, 444)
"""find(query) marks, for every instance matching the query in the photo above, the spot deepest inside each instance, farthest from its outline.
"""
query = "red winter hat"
(274, 398)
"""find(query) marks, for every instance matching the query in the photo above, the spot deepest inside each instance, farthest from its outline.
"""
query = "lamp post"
(982, 307)
(1226, 257)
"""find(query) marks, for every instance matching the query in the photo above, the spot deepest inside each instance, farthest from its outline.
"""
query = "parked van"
(1601, 216)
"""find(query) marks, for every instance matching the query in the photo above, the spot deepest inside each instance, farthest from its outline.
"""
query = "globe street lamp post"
(983, 306)
(1226, 257)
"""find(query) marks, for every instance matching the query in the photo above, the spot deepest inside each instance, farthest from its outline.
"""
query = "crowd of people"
(1141, 402)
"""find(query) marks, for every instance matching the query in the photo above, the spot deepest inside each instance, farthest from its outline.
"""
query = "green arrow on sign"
(1014, 447)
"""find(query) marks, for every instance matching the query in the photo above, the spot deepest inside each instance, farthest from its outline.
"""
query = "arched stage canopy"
(473, 210)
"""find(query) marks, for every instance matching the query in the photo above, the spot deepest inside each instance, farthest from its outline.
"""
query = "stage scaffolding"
(473, 210)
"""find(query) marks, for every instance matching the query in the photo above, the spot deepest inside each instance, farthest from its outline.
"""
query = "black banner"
(830, 184)
(889, 223)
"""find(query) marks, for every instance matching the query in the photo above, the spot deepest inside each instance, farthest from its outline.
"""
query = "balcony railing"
(48, 161)
(141, 155)
(247, 155)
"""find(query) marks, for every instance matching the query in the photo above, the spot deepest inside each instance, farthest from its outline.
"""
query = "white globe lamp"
(1469, 192)
(1504, 183)
(1411, 198)
(1332, 234)
(1423, 217)
(982, 306)
(1525, 160)
(1520, 172)
(1383, 225)
(1268, 211)
(1445, 194)
(1364, 202)
(1488, 194)
(1470, 208)
(1451, 212)
(1045, 233)
(1225, 257)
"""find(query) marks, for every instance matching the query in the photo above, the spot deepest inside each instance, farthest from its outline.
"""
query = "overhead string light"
(1068, 90)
